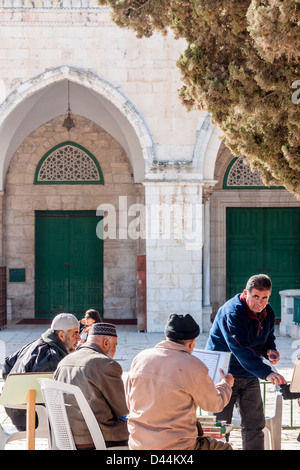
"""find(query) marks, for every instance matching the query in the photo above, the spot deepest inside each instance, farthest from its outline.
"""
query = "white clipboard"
(214, 361)
(295, 384)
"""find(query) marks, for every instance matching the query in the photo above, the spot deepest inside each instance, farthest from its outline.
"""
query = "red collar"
(251, 314)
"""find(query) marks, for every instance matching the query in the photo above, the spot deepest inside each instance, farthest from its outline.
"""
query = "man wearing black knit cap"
(165, 385)
(94, 371)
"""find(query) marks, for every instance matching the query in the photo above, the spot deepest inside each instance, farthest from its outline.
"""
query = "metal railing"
(290, 409)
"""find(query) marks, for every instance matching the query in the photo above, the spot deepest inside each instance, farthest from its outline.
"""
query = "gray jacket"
(100, 379)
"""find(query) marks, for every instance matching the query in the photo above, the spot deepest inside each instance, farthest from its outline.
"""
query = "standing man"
(94, 371)
(244, 325)
(165, 385)
(42, 355)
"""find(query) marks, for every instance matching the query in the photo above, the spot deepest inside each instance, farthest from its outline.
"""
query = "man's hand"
(228, 378)
(273, 356)
(274, 377)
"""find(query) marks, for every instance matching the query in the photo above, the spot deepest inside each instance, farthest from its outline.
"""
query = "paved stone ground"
(130, 342)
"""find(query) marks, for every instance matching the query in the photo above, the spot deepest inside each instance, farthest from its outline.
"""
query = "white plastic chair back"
(13, 395)
(53, 392)
(272, 429)
(273, 425)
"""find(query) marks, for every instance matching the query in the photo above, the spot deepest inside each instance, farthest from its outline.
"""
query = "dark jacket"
(236, 330)
(42, 355)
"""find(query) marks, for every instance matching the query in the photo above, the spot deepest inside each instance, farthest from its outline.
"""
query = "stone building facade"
(163, 168)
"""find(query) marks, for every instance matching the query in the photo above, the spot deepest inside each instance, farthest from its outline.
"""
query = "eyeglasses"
(263, 300)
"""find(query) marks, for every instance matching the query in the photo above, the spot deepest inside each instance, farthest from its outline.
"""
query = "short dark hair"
(179, 341)
(259, 282)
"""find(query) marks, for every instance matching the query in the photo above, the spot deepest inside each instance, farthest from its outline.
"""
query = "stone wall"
(40, 35)
(42, 44)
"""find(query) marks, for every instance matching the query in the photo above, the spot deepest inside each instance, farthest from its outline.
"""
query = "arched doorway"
(45, 96)
(254, 230)
(120, 150)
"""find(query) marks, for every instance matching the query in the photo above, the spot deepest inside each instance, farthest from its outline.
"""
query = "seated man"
(94, 371)
(165, 386)
(42, 355)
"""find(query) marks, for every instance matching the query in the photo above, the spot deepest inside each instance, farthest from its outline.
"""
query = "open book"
(295, 384)
(214, 361)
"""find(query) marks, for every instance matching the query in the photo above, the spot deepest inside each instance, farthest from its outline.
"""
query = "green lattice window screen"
(240, 176)
(68, 163)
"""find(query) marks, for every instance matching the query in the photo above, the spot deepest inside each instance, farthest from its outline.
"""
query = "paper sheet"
(214, 361)
(295, 384)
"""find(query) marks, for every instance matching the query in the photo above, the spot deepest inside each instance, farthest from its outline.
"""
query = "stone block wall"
(43, 34)
(173, 252)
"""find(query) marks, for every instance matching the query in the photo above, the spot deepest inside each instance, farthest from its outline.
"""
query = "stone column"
(173, 251)
(206, 307)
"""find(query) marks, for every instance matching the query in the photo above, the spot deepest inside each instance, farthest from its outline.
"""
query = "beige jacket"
(164, 387)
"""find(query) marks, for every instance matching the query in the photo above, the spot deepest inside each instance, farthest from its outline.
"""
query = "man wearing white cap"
(42, 355)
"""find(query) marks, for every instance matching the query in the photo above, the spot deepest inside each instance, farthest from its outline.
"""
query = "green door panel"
(86, 280)
(51, 282)
(244, 250)
(265, 240)
(282, 253)
(69, 263)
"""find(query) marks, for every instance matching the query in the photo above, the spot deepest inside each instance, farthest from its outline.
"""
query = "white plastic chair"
(272, 429)
(9, 433)
(53, 392)
(13, 395)
(8, 436)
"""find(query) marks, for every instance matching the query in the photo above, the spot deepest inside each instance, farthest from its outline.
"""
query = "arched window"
(68, 163)
(240, 176)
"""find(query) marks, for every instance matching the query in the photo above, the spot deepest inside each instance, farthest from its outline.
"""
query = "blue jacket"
(239, 331)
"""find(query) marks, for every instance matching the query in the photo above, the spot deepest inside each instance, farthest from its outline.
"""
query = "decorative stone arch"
(141, 148)
(207, 144)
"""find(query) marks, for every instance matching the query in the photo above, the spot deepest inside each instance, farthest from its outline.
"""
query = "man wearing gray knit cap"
(93, 369)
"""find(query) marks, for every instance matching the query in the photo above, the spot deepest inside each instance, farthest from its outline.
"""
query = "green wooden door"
(69, 263)
(265, 240)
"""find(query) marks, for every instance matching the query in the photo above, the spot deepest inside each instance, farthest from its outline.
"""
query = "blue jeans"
(246, 393)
